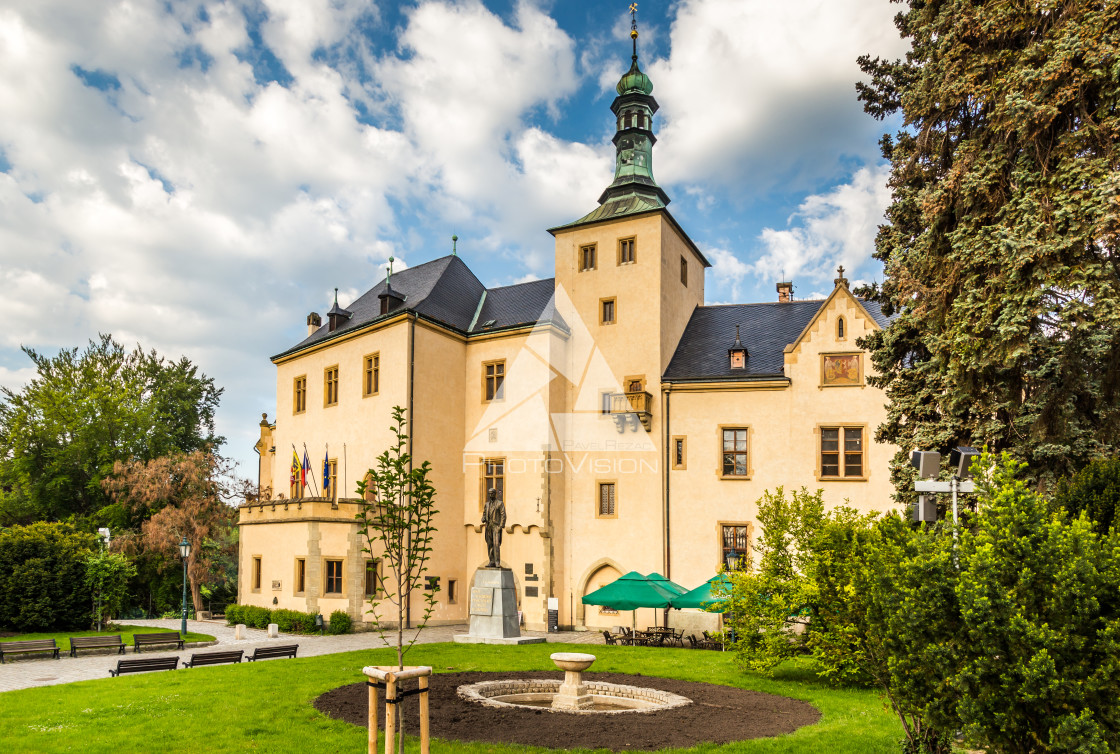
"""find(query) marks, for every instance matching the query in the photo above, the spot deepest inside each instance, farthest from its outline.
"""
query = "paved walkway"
(29, 671)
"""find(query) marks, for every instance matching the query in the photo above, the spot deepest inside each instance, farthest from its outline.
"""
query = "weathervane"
(454, 243)
(389, 276)
(634, 27)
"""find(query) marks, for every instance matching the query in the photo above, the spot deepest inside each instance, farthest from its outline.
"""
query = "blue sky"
(197, 176)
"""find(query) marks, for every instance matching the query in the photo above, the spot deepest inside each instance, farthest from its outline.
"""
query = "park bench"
(35, 645)
(96, 642)
(265, 653)
(147, 640)
(213, 658)
(144, 664)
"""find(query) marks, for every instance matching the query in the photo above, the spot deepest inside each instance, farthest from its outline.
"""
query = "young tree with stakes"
(396, 522)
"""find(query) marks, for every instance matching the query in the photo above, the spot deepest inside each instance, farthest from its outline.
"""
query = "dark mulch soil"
(718, 714)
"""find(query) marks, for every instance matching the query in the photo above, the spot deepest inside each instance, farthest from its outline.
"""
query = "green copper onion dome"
(634, 81)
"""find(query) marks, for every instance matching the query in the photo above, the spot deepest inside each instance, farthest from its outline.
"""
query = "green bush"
(293, 621)
(43, 577)
(288, 621)
(340, 623)
(256, 617)
(235, 614)
(1095, 490)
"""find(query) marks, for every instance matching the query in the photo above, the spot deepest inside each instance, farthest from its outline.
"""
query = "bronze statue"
(493, 520)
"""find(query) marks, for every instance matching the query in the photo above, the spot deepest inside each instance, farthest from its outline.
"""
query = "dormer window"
(737, 354)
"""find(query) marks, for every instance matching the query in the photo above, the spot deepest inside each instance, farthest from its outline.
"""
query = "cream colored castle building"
(626, 425)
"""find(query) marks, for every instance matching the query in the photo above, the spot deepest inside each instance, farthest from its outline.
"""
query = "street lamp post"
(185, 551)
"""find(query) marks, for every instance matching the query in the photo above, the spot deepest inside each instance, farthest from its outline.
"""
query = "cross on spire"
(634, 27)
(840, 279)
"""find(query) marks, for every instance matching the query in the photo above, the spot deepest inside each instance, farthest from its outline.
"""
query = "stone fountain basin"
(538, 694)
(576, 661)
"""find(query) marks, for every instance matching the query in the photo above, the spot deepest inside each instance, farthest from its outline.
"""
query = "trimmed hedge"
(288, 621)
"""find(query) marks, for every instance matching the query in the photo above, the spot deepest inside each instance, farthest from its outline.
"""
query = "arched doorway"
(598, 575)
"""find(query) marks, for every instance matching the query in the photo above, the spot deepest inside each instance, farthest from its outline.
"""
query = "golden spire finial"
(634, 27)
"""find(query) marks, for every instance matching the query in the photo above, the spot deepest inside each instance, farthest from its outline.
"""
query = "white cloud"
(727, 274)
(827, 230)
(761, 95)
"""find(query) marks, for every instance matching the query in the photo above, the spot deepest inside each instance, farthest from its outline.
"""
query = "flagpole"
(310, 470)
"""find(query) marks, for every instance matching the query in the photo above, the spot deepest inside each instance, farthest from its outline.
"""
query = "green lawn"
(126, 632)
(266, 706)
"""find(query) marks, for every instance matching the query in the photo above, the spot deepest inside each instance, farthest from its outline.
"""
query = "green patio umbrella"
(704, 597)
(661, 581)
(630, 592)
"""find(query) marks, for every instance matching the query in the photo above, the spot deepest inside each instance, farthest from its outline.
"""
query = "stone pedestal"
(573, 693)
(493, 610)
(273, 631)
(239, 632)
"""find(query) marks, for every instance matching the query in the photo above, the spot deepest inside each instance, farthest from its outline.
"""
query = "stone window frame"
(299, 394)
(612, 301)
(627, 255)
(819, 430)
(599, 485)
(683, 464)
(330, 386)
(327, 576)
(587, 257)
(296, 578)
(499, 394)
(257, 569)
(749, 451)
(371, 374)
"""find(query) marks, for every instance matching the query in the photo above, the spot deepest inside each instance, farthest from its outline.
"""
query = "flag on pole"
(295, 466)
(326, 474)
(305, 469)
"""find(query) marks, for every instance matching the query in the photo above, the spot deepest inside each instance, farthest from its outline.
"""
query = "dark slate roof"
(446, 291)
(765, 329)
(515, 305)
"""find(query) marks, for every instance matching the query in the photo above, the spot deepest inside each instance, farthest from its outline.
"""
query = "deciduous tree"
(84, 411)
(178, 496)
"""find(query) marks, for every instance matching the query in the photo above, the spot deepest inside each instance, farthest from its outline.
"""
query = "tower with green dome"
(633, 109)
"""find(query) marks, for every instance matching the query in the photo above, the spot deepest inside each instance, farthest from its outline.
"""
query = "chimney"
(314, 322)
(785, 292)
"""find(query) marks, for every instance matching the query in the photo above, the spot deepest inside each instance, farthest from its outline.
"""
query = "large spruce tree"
(1001, 242)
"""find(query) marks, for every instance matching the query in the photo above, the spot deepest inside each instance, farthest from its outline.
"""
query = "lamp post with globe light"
(185, 551)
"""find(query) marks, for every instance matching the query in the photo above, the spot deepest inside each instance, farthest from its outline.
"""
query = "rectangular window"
(301, 575)
(606, 500)
(330, 386)
(735, 452)
(452, 591)
(493, 477)
(373, 572)
(626, 250)
(256, 573)
(842, 462)
(493, 378)
(371, 380)
(587, 257)
(684, 271)
(299, 395)
(334, 577)
(608, 310)
(735, 546)
(605, 402)
(296, 489)
(678, 451)
(332, 475)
